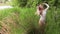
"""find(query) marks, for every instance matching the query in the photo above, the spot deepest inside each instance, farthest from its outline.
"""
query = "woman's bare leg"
(42, 26)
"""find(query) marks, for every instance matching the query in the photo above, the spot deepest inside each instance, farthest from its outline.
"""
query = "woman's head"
(42, 5)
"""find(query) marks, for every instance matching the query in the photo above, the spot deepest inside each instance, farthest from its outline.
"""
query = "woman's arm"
(38, 11)
(46, 5)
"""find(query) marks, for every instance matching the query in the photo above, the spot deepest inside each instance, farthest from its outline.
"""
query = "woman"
(41, 11)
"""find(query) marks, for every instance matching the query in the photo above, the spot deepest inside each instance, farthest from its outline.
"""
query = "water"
(5, 7)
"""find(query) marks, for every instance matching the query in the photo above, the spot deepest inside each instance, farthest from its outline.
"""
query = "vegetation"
(22, 19)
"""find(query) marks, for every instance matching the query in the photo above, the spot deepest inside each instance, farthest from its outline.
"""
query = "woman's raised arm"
(46, 5)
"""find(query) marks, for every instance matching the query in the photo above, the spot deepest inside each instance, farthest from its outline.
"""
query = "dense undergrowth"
(27, 22)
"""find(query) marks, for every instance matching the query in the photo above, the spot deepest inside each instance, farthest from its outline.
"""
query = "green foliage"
(14, 3)
(31, 3)
(25, 21)
(34, 3)
(21, 3)
(28, 21)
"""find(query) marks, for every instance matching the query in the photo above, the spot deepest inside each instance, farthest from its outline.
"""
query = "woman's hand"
(46, 4)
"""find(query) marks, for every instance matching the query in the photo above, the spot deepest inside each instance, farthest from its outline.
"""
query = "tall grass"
(27, 22)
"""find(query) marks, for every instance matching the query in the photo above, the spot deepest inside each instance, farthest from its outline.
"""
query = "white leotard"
(42, 17)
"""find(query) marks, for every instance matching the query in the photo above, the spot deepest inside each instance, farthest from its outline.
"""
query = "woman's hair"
(44, 6)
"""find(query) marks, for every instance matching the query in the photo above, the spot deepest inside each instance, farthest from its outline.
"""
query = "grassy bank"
(24, 20)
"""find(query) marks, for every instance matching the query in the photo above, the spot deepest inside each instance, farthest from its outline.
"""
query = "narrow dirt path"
(5, 23)
(5, 28)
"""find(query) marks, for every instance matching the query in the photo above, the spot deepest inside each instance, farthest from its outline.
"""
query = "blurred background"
(18, 17)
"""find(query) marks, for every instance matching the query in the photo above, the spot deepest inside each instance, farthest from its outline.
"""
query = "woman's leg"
(42, 26)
